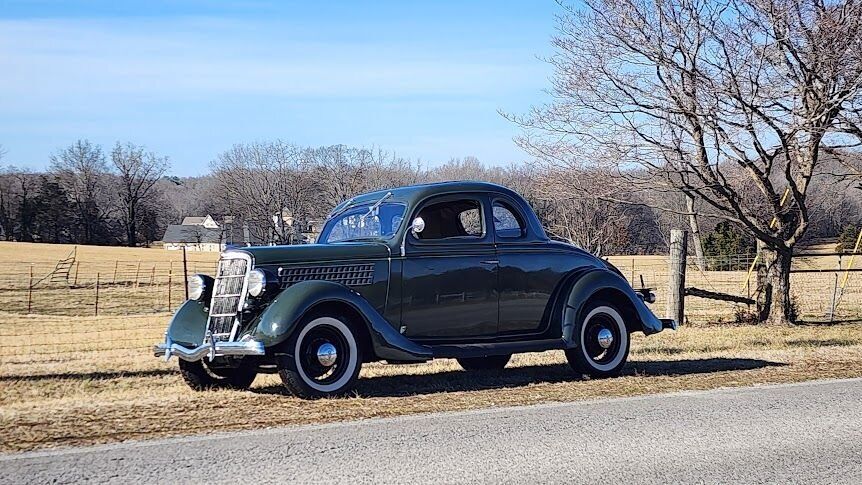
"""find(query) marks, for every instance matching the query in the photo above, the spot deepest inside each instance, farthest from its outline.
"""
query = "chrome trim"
(327, 354)
(241, 297)
(605, 338)
(209, 349)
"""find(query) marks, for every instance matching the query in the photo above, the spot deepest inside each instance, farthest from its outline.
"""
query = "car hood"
(312, 253)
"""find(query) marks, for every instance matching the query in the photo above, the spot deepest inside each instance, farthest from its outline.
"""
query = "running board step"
(497, 348)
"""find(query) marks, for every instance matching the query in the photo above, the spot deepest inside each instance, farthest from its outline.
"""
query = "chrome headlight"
(197, 285)
(257, 281)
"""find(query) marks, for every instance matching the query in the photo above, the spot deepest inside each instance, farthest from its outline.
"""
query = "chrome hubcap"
(327, 354)
(605, 338)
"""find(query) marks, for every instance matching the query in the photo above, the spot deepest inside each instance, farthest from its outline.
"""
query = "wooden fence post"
(97, 294)
(77, 266)
(185, 273)
(676, 276)
(170, 284)
(116, 263)
(137, 273)
(30, 291)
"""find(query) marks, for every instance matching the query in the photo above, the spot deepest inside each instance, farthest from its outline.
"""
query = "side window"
(506, 222)
(454, 218)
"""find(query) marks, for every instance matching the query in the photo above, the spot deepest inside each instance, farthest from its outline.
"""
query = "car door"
(449, 274)
(526, 274)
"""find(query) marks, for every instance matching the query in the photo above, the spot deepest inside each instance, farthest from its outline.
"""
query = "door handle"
(491, 261)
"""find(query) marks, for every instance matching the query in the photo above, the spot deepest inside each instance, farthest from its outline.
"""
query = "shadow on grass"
(826, 323)
(454, 381)
(89, 375)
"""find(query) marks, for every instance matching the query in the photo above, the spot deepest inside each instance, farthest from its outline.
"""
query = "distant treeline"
(124, 197)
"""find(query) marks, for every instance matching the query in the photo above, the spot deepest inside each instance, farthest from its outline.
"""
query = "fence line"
(135, 299)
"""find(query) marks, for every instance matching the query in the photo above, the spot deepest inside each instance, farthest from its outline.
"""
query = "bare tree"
(730, 102)
(341, 172)
(577, 216)
(264, 181)
(82, 171)
(138, 172)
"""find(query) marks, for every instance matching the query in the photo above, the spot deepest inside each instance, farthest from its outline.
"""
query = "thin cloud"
(200, 57)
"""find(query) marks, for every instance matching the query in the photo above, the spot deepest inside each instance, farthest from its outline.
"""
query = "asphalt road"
(800, 433)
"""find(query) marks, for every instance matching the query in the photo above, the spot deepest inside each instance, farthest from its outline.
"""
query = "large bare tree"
(82, 172)
(138, 172)
(730, 102)
(261, 181)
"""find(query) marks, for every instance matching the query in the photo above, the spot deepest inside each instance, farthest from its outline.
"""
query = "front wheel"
(201, 377)
(603, 342)
(322, 358)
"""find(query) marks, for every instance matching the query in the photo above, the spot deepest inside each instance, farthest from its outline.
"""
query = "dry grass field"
(68, 376)
(118, 397)
(131, 280)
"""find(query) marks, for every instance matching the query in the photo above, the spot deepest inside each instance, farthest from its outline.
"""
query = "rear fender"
(603, 282)
(279, 320)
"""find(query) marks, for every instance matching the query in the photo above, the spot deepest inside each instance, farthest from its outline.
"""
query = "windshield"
(357, 223)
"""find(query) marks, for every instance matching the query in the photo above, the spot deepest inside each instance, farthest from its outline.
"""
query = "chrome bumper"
(211, 349)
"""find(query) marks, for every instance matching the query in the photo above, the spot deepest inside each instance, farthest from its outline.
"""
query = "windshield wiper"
(374, 207)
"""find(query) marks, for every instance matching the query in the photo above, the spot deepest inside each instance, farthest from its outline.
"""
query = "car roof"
(412, 194)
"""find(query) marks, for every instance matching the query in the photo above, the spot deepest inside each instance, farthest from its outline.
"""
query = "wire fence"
(103, 288)
(109, 314)
(822, 288)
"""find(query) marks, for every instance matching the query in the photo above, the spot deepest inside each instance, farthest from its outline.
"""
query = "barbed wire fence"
(108, 314)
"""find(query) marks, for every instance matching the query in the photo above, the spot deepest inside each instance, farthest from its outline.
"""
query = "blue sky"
(189, 79)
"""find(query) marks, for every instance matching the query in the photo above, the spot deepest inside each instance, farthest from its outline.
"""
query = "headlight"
(257, 282)
(197, 286)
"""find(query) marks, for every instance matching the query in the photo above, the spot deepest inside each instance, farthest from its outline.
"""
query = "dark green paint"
(483, 291)
(188, 325)
(278, 321)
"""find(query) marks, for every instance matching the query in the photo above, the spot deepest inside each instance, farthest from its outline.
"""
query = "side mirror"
(418, 226)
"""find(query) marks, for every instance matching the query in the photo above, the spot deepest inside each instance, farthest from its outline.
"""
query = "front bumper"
(211, 349)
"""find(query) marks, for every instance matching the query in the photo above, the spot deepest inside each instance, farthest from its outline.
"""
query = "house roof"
(194, 221)
(185, 233)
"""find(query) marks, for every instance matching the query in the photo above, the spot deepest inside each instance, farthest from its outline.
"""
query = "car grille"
(228, 295)
(346, 274)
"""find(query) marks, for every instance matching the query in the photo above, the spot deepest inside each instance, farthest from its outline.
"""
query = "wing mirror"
(418, 226)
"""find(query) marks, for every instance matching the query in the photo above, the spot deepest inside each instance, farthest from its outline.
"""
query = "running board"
(498, 348)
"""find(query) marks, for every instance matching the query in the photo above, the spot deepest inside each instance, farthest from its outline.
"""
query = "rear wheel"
(603, 341)
(490, 362)
(322, 358)
(199, 376)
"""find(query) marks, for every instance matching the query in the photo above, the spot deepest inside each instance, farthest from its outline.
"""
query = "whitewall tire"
(603, 341)
(323, 357)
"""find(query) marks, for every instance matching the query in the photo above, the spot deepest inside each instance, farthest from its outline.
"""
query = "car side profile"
(457, 270)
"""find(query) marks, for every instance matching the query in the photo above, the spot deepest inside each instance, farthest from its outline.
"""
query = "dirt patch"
(99, 404)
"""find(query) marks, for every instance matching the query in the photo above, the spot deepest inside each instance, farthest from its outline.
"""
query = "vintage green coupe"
(456, 270)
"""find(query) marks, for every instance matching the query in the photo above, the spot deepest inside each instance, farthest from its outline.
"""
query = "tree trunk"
(699, 259)
(132, 228)
(774, 302)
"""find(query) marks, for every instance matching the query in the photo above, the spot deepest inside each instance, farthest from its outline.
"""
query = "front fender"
(278, 321)
(594, 282)
(189, 324)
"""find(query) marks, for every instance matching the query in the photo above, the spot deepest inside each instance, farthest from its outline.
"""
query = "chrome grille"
(228, 294)
(346, 274)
